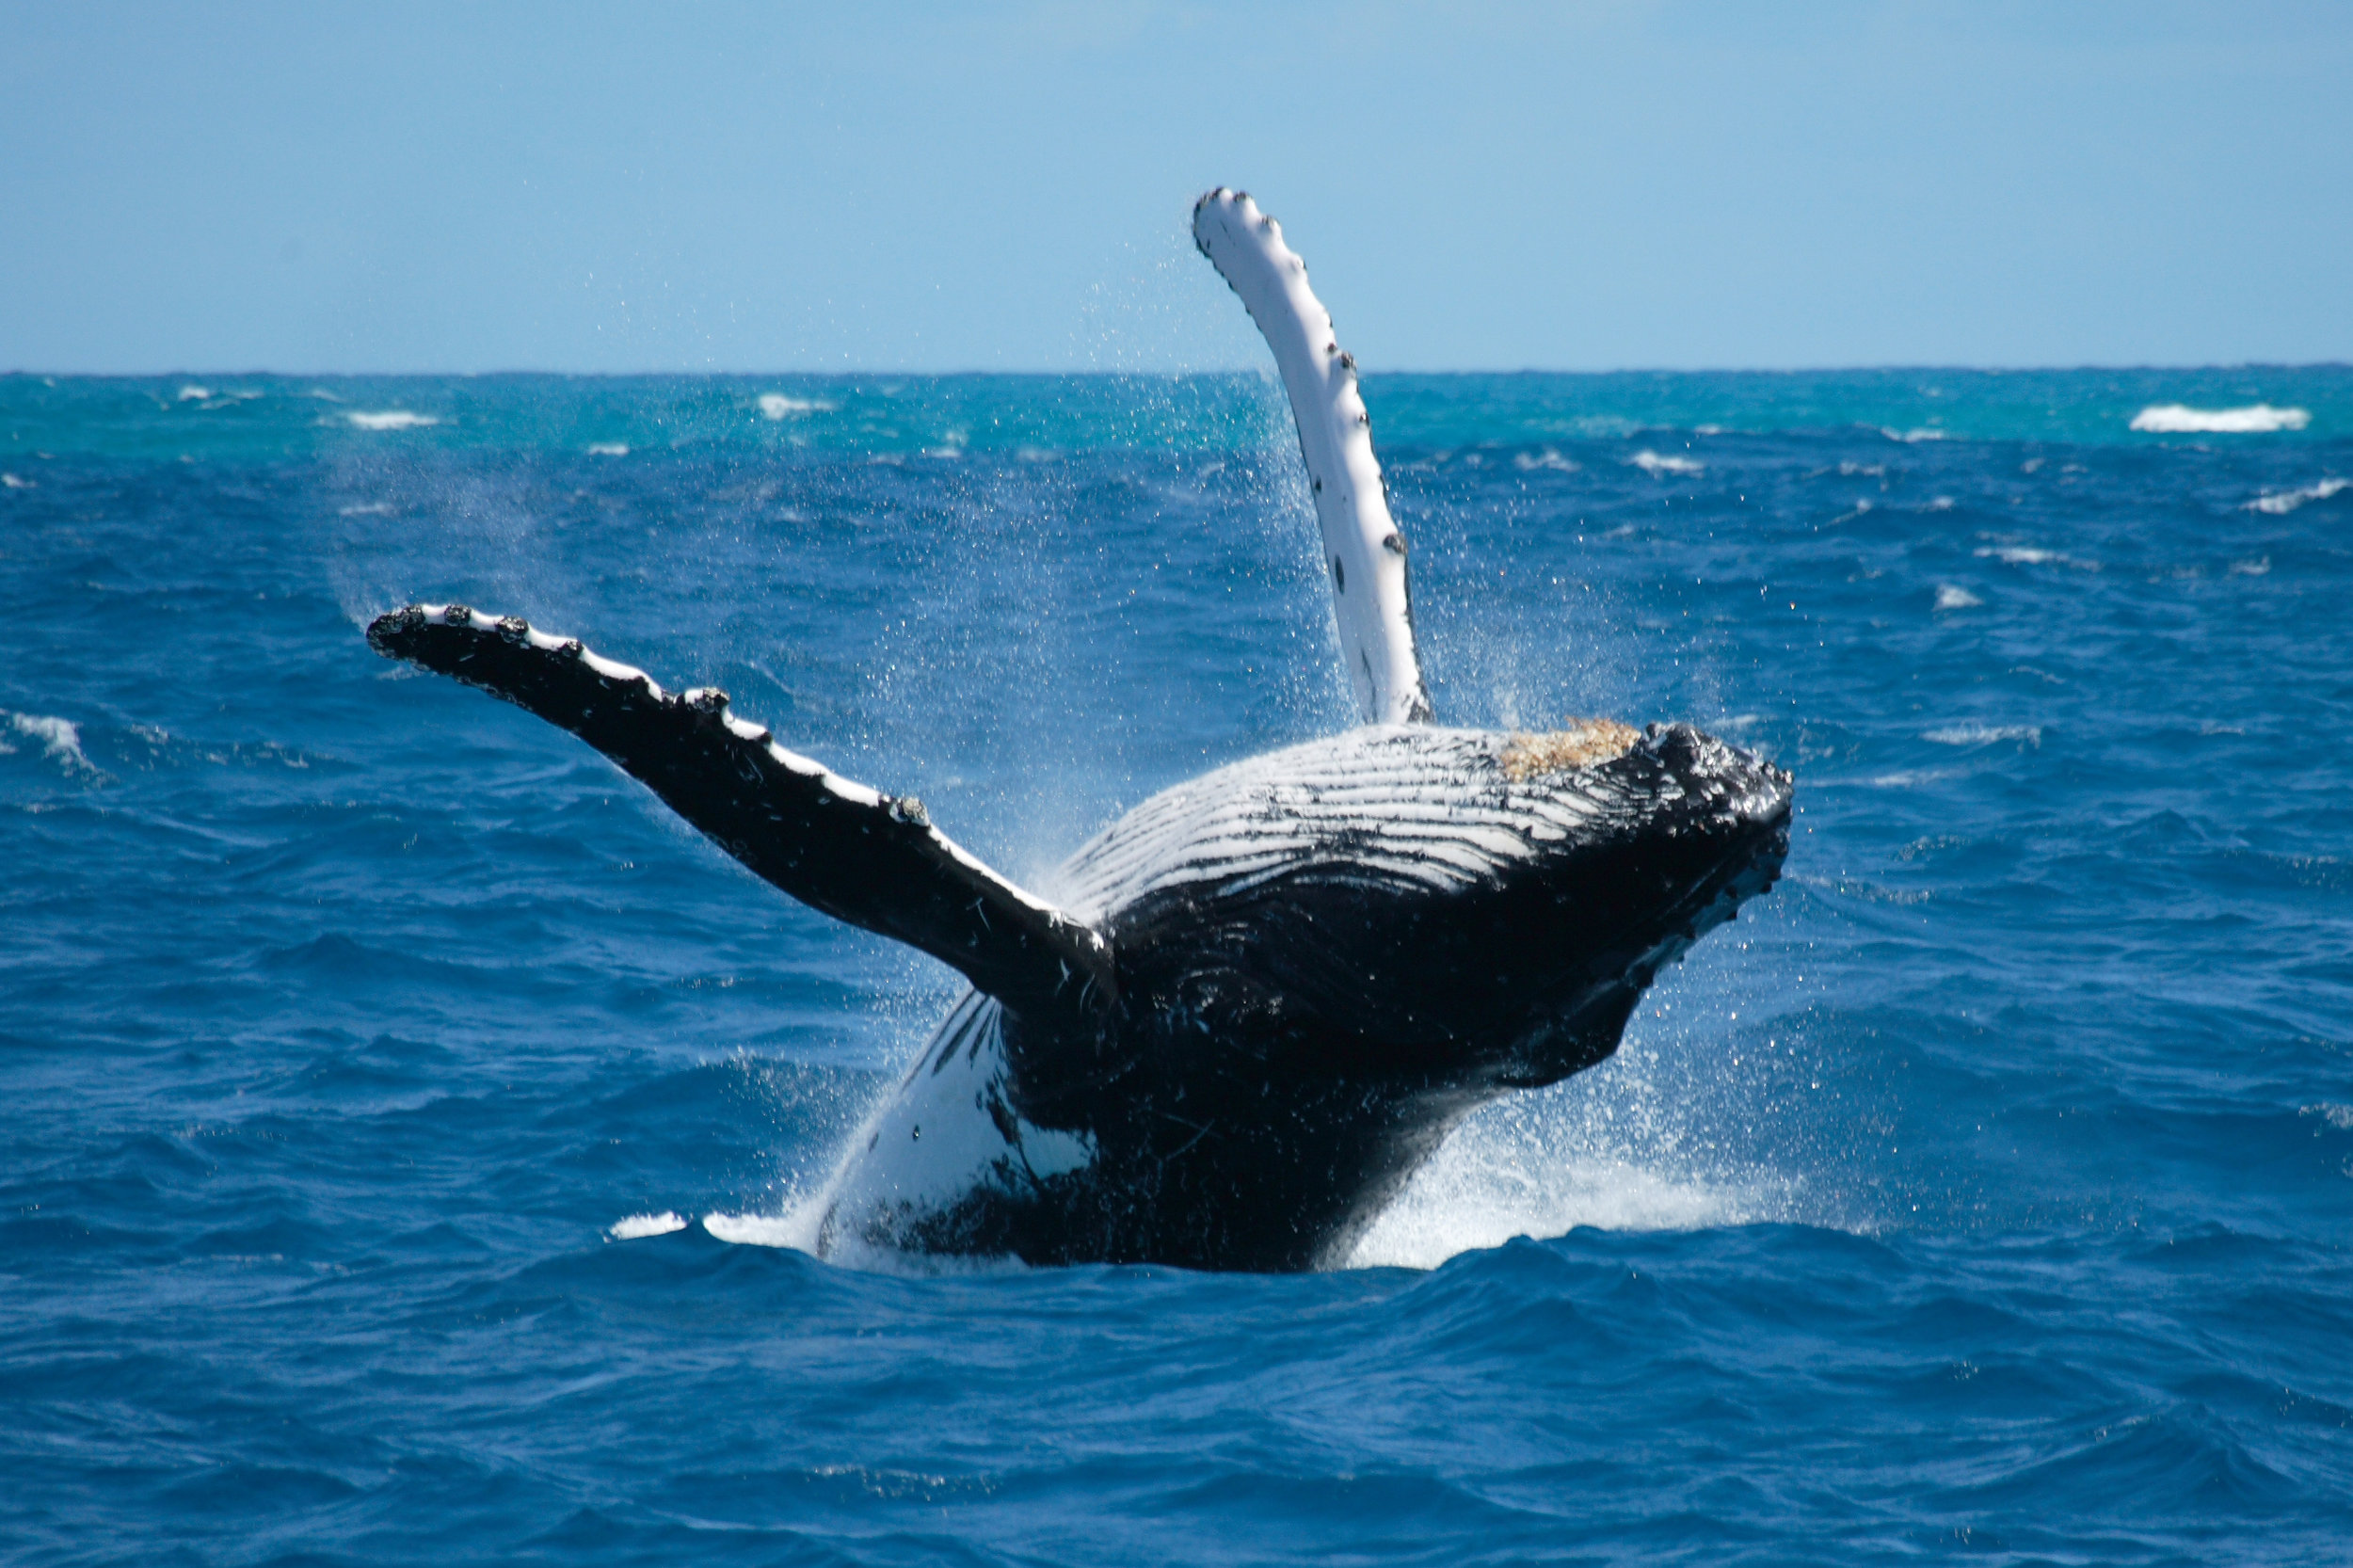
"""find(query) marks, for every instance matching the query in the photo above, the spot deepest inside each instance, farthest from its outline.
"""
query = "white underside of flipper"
(1363, 551)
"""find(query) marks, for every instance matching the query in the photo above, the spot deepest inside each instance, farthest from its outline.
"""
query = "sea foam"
(2177, 419)
(777, 406)
(636, 1226)
(2280, 503)
(389, 419)
(61, 740)
(1985, 734)
(1528, 462)
(1653, 464)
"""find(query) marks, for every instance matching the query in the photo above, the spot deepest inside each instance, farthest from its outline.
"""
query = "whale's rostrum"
(1262, 998)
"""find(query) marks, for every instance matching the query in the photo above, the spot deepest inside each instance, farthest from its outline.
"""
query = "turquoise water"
(1986, 1190)
(258, 418)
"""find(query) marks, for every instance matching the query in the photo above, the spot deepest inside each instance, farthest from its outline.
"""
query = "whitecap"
(2338, 1117)
(607, 449)
(1923, 434)
(10, 482)
(61, 740)
(2030, 555)
(636, 1226)
(1985, 734)
(2280, 503)
(2256, 567)
(777, 406)
(1952, 597)
(193, 394)
(366, 509)
(1653, 464)
(1549, 458)
(2259, 419)
(389, 419)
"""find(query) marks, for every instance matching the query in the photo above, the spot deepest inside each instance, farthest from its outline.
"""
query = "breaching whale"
(1263, 996)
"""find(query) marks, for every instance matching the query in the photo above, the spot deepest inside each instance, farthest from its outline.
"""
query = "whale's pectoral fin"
(851, 852)
(1364, 552)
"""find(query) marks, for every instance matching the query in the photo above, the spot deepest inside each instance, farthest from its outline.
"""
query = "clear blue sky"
(602, 187)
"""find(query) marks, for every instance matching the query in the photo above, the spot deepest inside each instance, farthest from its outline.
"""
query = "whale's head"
(1672, 829)
(1450, 906)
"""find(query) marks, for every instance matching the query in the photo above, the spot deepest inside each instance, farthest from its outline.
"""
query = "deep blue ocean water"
(1984, 1192)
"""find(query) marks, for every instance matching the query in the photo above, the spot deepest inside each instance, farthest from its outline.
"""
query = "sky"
(1607, 184)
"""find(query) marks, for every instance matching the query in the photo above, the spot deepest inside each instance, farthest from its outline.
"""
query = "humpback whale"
(1261, 999)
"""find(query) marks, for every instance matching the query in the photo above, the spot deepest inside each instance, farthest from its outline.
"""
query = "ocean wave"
(1985, 734)
(607, 449)
(13, 482)
(2257, 566)
(1923, 433)
(60, 741)
(389, 419)
(193, 394)
(2179, 419)
(635, 1226)
(1528, 462)
(1653, 464)
(2030, 555)
(1950, 597)
(778, 407)
(2280, 503)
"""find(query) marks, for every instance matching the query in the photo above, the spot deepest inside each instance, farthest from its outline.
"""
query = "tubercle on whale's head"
(1732, 785)
(1675, 770)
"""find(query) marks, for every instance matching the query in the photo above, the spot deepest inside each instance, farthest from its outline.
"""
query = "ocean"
(409, 1125)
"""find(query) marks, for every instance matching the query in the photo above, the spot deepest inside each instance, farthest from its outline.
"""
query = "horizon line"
(1097, 373)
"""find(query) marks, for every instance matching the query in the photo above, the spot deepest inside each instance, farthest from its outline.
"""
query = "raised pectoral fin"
(1364, 554)
(837, 847)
